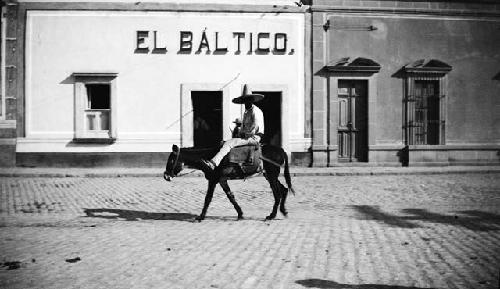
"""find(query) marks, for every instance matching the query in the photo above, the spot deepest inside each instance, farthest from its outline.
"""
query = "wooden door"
(353, 121)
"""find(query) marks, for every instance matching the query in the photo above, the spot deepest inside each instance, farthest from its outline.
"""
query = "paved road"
(381, 232)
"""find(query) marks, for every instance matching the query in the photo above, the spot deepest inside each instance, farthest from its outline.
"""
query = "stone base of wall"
(378, 156)
(387, 154)
(7, 144)
(7, 155)
(320, 158)
(454, 155)
(86, 160)
(300, 159)
(394, 155)
(118, 159)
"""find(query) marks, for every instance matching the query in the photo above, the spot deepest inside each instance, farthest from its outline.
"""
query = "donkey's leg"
(230, 196)
(272, 177)
(284, 193)
(276, 194)
(208, 199)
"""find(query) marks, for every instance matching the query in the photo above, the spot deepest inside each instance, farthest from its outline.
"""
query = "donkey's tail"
(288, 179)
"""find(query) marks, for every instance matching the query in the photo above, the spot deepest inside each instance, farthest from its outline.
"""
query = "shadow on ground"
(131, 215)
(319, 283)
(472, 219)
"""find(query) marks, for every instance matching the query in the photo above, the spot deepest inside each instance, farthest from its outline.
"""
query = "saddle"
(247, 157)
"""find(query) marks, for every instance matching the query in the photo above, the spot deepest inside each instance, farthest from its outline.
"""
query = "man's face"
(248, 105)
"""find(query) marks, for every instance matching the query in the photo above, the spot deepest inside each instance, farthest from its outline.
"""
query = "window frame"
(422, 104)
(81, 80)
(421, 71)
(3, 31)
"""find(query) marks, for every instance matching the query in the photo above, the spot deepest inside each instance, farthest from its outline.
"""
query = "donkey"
(273, 158)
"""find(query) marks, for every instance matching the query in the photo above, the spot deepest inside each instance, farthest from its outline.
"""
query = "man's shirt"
(253, 122)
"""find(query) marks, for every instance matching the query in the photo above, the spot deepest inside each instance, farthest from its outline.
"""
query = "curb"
(427, 171)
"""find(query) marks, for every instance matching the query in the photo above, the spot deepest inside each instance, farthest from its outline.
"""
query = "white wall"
(59, 43)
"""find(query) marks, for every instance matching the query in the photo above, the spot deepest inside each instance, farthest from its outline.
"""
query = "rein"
(190, 172)
(175, 164)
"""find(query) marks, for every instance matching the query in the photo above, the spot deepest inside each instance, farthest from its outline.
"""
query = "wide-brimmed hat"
(245, 97)
(237, 121)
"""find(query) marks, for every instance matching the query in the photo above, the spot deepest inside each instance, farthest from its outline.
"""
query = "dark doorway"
(207, 118)
(353, 120)
(271, 108)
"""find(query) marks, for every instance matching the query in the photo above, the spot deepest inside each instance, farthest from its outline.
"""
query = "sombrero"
(245, 97)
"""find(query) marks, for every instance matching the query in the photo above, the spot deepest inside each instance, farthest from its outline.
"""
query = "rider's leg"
(226, 147)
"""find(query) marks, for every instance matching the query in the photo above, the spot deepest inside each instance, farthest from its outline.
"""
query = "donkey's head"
(174, 164)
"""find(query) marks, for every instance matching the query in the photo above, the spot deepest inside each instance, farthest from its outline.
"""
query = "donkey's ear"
(175, 148)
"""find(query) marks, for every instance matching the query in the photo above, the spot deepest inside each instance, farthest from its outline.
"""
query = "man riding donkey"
(250, 132)
(243, 161)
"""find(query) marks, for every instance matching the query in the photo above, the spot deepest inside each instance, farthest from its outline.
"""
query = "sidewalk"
(294, 171)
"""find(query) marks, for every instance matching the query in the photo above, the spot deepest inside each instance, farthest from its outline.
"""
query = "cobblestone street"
(381, 232)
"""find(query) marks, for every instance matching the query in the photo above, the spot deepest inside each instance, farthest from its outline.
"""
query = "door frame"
(352, 114)
(186, 113)
(371, 92)
(283, 88)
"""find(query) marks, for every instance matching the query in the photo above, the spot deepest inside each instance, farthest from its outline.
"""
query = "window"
(425, 126)
(425, 102)
(98, 108)
(95, 107)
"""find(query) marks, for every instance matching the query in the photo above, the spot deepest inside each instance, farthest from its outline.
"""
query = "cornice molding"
(483, 14)
(174, 7)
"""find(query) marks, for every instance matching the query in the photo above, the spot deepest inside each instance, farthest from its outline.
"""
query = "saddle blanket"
(246, 154)
(247, 157)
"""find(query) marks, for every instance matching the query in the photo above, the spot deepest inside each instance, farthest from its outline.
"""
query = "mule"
(273, 158)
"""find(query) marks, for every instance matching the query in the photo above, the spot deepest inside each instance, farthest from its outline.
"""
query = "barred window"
(426, 125)
(425, 102)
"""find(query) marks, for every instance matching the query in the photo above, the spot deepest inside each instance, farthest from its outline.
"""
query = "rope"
(180, 175)
(270, 161)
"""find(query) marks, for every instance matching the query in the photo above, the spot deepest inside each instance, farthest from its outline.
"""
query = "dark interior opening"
(207, 118)
(98, 96)
(271, 108)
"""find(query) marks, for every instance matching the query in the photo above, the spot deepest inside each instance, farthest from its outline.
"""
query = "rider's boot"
(207, 166)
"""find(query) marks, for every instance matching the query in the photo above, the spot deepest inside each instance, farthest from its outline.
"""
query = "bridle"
(178, 154)
(175, 164)
(166, 175)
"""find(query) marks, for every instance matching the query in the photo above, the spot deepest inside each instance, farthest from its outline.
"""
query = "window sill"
(94, 140)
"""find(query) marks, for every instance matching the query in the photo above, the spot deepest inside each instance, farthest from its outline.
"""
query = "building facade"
(118, 83)
(103, 83)
(405, 82)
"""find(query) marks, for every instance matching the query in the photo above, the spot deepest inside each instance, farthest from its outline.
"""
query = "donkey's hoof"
(241, 218)
(199, 219)
(270, 217)
(285, 214)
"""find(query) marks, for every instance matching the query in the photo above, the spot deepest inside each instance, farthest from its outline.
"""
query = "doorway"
(271, 108)
(353, 121)
(207, 118)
